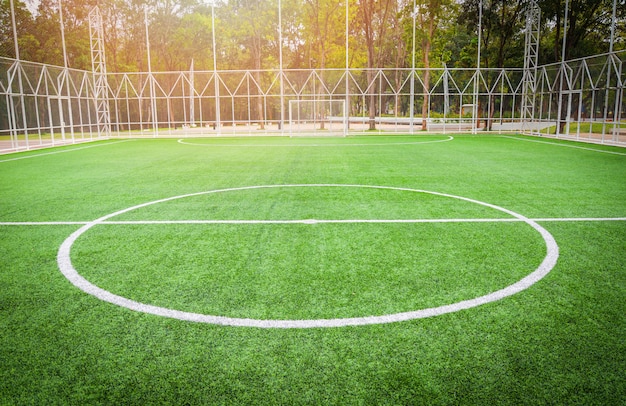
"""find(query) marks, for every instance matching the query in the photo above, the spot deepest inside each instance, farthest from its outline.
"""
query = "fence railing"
(46, 105)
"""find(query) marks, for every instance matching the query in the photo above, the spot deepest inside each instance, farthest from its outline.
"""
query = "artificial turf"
(562, 341)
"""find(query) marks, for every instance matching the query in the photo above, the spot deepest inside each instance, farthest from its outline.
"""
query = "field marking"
(364, 221)
(67, 269)
(43, 223)
(62, 151)
(184, 142)
(565, 145)
(574, 219)
(311, 221)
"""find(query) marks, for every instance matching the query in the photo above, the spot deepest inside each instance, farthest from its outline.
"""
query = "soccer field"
(474, 269)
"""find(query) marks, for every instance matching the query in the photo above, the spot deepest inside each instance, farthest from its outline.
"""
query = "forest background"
(380, 33)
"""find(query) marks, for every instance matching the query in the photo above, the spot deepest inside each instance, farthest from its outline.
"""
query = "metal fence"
(48, 105)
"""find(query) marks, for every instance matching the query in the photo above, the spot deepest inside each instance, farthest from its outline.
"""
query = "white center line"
(312, 221)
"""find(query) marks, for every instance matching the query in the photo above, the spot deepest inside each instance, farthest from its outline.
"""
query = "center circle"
(69, 271)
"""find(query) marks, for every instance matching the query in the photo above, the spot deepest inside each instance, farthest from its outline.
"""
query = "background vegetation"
(380, 32)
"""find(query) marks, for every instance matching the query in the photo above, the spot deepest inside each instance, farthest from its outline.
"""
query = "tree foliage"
(323, 26)
(313, 32)
(588, 27)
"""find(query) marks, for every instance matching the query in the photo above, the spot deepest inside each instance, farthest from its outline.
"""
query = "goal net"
(318, 117)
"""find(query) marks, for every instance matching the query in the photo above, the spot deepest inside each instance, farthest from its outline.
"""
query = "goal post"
(318, 117)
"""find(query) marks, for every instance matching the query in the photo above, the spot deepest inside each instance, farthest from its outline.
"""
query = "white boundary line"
(43, 223)
(556, 144)
(574, 219)
(62, 151)
(185, 142)
(65, 266)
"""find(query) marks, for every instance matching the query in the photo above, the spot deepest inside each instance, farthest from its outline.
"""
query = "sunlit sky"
(31, 5)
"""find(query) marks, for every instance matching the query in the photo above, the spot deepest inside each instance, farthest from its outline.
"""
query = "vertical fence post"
(280, 67)
(347, 106)
(562, 75)
(217, 126)
(155, 124)
(18, 72)
(412, 90)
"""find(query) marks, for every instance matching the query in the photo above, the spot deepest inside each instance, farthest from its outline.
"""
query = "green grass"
(323, 271)
(562, 341)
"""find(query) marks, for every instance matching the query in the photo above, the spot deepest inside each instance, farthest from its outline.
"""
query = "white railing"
(36, 101)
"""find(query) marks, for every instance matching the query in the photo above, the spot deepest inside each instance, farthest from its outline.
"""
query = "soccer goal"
(318, 117)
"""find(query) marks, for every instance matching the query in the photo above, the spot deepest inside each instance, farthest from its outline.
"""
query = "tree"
(588, 32)
(48, 34)
(430, 18)
(502, 44)
(374, 18)
(250, 27)
(324, 33)
(169, 34)
(125, 35)
(76, 31)
(588, 26)
(27, 42)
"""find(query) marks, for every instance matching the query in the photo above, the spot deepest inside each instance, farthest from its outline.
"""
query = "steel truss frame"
(36, 100)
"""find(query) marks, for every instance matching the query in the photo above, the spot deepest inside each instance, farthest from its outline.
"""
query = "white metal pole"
(65, 63)
(11, 106)
(608, 79)
(347, 106)
(347, 32)
(613, 23)
(446, 96)
(477, 76)
(565, 27)
(280, 66)
(562, 75)
(67, 78)
(216, 83)
(155, 126)
(412, 97)
(15, 41)
(192, 107)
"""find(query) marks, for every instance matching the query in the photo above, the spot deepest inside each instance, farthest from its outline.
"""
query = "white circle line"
(68, 270)
(184, 142)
